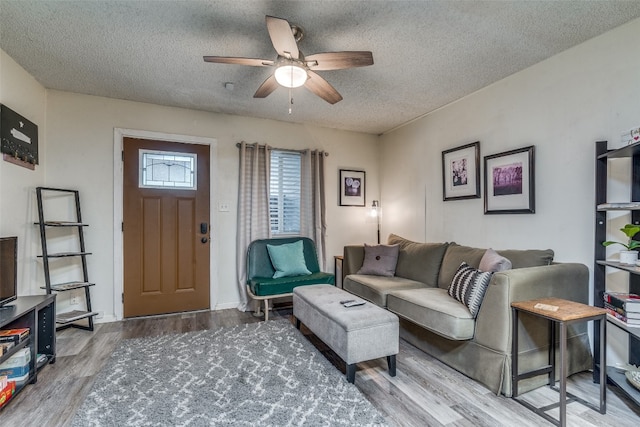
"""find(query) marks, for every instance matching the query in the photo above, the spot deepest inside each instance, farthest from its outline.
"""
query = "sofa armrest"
(568, 281)
(353, 259)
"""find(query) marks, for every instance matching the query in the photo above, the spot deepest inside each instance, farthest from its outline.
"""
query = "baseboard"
(226, 305)
(112, 318)
(105, 319)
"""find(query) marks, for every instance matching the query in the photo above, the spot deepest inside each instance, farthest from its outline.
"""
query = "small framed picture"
(509, 182)
(352, 188)
(461, 172)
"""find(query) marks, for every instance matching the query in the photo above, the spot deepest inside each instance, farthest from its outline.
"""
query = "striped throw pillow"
(469, 285)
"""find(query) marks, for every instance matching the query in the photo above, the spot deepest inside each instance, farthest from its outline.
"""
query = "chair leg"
(266, 310)
(258, 307)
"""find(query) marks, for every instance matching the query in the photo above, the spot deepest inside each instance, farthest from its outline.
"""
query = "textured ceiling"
(427, 53)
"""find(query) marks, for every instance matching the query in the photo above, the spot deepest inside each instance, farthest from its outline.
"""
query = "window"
(163, 169)
(284, 192)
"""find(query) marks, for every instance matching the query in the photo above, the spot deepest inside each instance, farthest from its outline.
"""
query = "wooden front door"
(166, 227)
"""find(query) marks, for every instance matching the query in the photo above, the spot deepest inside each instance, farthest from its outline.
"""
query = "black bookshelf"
(603, 162)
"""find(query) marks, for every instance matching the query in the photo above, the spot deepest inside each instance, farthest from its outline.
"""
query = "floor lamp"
(375, 213)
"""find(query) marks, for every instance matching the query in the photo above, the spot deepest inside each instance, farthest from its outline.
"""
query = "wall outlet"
(223, 206)
(75, 300)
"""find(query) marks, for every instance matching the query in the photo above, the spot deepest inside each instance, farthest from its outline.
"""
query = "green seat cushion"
(263, 286)
(288, 259)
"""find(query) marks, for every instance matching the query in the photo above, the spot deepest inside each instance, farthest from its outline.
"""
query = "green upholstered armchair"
(260, 282)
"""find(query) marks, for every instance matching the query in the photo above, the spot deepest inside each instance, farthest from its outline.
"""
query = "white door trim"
(118, 214)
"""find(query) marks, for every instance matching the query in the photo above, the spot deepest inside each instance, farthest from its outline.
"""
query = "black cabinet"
(604, 160)
(38, 314)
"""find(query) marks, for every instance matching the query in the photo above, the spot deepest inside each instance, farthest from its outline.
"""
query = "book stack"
(15, 336)
(7, 389)
(5, 347)
(624, 307)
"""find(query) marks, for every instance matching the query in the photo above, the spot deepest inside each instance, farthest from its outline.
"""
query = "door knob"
(204, 240)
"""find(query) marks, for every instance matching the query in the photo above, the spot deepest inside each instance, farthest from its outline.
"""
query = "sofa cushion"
(468, 286)
(528, 258)
(379, 260)
(376, 288)
(435, 310)
(493, 261)
(419, 261)
(288, 259)
(456, 254)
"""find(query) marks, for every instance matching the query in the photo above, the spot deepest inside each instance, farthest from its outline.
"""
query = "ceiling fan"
(293, 69)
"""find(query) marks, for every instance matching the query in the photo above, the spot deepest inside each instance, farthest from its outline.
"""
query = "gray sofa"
(441, 326)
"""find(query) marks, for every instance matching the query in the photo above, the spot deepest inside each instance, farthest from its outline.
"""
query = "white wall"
(80, 156)
(562, 106)
(24, 95)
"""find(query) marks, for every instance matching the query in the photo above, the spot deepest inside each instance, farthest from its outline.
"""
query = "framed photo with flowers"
(352, 188)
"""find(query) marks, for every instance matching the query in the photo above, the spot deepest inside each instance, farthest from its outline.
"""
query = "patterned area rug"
(265, 374)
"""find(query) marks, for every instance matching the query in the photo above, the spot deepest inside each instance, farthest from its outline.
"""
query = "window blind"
(284, 192)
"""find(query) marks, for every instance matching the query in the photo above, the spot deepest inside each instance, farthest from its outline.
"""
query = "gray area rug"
(265, 374)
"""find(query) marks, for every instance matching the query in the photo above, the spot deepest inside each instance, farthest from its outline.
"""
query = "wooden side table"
(337, 259)
(561, 313)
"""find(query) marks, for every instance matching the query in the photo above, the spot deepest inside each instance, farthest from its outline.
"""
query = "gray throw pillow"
(380, 260)
(493, 261)
(468, 286)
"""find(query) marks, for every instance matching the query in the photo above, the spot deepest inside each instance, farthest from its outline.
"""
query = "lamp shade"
(374, 209)
(290, 75)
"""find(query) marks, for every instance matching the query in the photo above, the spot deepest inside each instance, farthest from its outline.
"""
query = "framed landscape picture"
(461, 172)
(352, 188)
(509, 182)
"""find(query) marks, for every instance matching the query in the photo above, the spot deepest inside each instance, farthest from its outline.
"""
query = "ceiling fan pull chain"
(290, 100)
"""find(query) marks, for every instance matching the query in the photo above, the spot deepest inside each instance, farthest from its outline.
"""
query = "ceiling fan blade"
(322, 88)
(239, 61)
(266, 87)
(339, 60)
(282, 37)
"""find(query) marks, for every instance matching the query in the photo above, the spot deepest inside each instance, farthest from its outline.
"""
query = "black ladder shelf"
(69, 318)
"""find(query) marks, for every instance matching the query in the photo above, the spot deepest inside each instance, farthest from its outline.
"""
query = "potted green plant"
(630, 256)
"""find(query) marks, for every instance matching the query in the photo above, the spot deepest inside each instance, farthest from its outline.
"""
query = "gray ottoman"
(355, 334)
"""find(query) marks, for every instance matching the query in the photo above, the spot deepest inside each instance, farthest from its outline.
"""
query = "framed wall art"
(19, 138)
(461, 172)
(352, 188)
(509, 182)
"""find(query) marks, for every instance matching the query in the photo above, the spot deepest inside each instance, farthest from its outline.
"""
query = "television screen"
(8, 269)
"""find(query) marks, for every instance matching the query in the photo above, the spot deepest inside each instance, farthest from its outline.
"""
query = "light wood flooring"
(424, 393)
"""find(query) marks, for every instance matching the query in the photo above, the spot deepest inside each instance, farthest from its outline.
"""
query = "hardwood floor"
(424, 393)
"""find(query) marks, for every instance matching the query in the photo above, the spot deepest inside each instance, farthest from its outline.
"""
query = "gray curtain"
(253, 208)
(312, 209)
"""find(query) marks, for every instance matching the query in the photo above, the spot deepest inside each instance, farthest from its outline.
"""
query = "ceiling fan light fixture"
(291, 75)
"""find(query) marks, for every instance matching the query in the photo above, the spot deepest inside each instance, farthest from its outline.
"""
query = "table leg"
(552, 353)
(603, 365)
(563, 374)
(514, 353)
